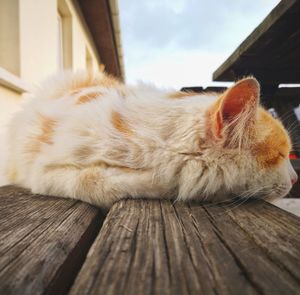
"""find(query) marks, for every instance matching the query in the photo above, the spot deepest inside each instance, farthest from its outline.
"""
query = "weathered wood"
(156, 247)
(271, 51)
(200, 89)
(43, 241)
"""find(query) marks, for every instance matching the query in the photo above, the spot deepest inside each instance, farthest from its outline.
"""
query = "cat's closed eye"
(282, 155)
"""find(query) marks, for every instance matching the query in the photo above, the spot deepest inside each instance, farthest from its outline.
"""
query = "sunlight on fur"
(93, 138)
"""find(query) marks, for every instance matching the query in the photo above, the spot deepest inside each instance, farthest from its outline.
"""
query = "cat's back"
(75, 110)
(60, 110)
(62, 95)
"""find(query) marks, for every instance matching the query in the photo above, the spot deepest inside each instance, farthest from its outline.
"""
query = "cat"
(90, 137)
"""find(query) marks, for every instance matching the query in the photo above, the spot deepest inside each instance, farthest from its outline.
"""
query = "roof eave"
(99, 15)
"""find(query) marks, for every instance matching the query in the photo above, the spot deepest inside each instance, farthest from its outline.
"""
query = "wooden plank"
(275, 75)
(270, 51)
(156, 247)
(43, 241)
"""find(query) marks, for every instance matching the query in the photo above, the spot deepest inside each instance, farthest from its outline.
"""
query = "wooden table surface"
(43, 241)
(51, 245)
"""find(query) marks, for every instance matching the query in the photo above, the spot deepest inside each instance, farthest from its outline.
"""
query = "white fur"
(168, 153)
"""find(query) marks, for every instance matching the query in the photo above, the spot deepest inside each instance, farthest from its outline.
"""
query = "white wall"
(9, 104)
(9, 36)
(78, 46)
(29, 47)
(38, 39)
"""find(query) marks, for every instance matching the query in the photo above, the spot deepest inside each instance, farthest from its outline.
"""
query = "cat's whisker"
(291, 132)
(240, 198)
(246, 196)
(286, 114)
(227, 202)
(293, 126)
(214, 204)
(242, 201)
(284, 119)
(231, 206)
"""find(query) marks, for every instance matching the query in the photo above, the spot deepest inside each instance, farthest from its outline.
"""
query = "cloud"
(175, 69)
(190, 23)
(162, 33)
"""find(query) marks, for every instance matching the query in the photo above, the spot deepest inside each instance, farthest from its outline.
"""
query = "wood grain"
(43, 241)
(156, 247)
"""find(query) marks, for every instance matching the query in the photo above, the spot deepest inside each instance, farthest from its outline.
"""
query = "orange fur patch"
(52, 167)
(74, 92)
(120, 124)
(88, 97)
(47, 126)
(101, 164)
(273, 144)
(238, 96)
(88, 178)
(181, 94)
(213, 120)
(91, 80)
(83, 152)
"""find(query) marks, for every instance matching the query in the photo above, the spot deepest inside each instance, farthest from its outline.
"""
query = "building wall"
(37, 39)
(42, 39)
(30, 37)
(83, 53)
(9, 36)
(79, 47)
(10, 103)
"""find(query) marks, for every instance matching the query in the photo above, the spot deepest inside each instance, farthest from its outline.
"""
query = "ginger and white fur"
(97, 140)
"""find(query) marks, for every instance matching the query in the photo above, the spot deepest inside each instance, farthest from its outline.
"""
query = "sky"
(176, 43)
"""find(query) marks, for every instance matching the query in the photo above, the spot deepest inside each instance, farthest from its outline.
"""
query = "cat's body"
(96, 140)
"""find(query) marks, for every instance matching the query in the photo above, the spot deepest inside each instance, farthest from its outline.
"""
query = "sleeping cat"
(94, 139)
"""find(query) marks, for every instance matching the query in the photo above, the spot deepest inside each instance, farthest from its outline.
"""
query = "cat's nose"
(292, 172)
(294, 179)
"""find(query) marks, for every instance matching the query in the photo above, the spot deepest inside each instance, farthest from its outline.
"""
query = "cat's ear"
(237, 105)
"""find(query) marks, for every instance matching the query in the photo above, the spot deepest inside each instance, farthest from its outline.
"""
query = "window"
(88, 61)
(10, 36)
(64, 24)
(60, 60)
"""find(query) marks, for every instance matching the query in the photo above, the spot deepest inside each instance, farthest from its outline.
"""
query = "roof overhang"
(101, 17)
(271, 51)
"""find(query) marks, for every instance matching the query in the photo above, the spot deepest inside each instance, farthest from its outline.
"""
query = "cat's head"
(236, 123)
